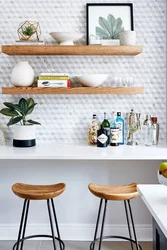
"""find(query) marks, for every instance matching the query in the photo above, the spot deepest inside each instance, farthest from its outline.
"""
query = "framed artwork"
(105, 21)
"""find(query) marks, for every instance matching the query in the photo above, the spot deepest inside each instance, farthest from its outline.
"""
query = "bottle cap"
(154, 119)
(118, 113)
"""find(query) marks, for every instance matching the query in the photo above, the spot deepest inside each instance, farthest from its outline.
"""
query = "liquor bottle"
(155, 136)
(148, 130)
(106, 126)
(114, 139)
(120, 125)
(102, 137)
(92, 133)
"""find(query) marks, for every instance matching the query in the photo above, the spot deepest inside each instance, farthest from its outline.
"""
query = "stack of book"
(54, 80)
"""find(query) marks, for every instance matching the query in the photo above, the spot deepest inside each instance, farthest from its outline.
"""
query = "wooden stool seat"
(38, 192)
(125, 192)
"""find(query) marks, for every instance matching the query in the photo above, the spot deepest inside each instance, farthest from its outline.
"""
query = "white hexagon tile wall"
(66, 118)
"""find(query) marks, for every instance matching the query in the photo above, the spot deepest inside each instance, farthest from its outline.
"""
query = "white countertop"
(155, 198)
(84, 152)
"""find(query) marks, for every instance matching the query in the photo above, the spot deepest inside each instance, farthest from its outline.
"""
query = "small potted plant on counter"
(24, 132)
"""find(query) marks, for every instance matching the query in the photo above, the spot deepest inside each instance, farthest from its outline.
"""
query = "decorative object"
(93, 80)
(29, 30)
(108, 20)
(66, 38)
(128, 37)
(22, 75)
(24, 134)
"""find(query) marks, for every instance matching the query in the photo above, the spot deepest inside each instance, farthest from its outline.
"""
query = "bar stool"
(116, 193)
(38, 192)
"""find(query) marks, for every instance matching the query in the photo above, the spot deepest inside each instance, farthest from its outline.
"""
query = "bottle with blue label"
(120, 126)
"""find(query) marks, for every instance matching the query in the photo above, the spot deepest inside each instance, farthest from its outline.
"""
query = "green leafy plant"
(110, 28)
(19, 112)
(28, 31)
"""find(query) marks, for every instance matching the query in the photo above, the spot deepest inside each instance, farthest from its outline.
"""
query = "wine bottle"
(106, 126)
(102, 137)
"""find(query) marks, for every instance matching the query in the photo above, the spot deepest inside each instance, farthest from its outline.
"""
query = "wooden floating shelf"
(69, 91)
(71, 50)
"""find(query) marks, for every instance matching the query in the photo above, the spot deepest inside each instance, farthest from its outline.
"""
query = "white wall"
(76, 207)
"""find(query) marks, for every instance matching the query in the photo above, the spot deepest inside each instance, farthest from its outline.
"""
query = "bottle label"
(102, 138)
(115, 135)
(119, 126)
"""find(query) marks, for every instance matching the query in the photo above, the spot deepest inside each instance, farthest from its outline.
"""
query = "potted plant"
(24, 133)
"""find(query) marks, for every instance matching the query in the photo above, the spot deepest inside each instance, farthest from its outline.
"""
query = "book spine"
(53, 78)
(54, 83)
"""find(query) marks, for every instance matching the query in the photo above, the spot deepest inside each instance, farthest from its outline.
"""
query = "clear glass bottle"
(106, 126)
(148, 130)
(155, 136)
(92, 132)
(114, 139)
(120, 125)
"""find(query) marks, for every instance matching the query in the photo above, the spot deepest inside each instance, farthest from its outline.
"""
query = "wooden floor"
(73, 245)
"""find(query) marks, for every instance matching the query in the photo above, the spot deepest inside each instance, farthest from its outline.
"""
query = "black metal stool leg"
(127, 218)
(57, 227)
(21, 224)
(102, 225)
(97, 223)
(25, 223)
(51, 224)
(133, 226)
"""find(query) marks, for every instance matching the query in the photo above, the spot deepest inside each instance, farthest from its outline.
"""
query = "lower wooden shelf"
(69, 91)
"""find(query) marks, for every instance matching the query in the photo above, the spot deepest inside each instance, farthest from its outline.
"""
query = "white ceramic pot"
(128, 37)
(22, 75)
(24, 136)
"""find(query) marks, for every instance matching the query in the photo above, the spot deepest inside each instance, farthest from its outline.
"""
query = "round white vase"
(24, 136)
(22, 75)
(128, 37)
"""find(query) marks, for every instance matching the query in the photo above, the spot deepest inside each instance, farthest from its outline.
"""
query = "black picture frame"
(89, 5)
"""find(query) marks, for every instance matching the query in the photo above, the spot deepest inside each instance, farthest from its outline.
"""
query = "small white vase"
(128, 37)
(22, 75)
(113, 42)
(24, 136)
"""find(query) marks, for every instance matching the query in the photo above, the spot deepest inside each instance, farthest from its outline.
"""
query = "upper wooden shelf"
(71, 50)
(78, 90)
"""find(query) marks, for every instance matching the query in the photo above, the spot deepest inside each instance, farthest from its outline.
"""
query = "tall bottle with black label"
(106, 126)
(120, 126)
(102, 137)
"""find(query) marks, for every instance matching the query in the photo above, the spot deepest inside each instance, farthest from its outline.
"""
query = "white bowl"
(93, 80)
(162, 179)
(66, 38)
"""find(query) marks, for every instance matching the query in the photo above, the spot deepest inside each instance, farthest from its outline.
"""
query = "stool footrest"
(113, 236)
(39, 236)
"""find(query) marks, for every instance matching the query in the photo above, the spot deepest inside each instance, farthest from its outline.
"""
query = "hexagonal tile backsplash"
(66, 118)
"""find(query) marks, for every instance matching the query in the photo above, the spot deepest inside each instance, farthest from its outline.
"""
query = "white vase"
(113, 42)
(22, 75)
(128, 37)
(24, 136)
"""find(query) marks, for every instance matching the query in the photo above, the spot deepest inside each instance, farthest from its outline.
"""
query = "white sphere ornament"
(22, 75)
(128, 37)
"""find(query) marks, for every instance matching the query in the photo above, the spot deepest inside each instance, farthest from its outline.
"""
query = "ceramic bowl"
(93, 80)
(162, 179)
(66, 38)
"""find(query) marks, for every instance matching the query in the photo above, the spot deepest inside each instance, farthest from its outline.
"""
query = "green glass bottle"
(106, 126)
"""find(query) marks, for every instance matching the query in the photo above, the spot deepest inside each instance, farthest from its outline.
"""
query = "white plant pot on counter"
(22, 75)
(24, 136)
